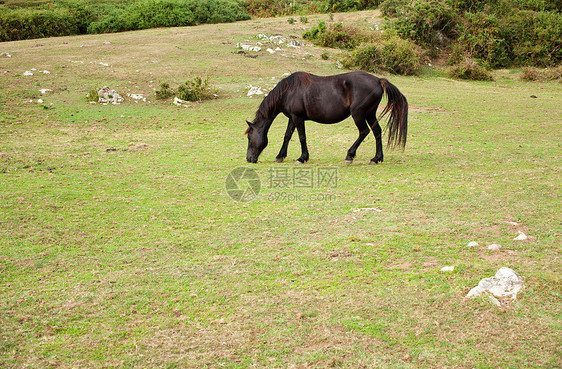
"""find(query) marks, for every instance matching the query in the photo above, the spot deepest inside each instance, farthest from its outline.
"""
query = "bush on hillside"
(66, 18)
(196, 89)
(393, 54)
(470, 69)
(21, 24)
(337, 36)
(425, 22)
(542, 75)
(498, 33)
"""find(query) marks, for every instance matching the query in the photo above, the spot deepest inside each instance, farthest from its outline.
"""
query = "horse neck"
(266, 114)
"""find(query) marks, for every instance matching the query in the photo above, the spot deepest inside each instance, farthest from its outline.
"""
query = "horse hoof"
(298, 162)
(372, 162)
(279, 160)
(348, 162)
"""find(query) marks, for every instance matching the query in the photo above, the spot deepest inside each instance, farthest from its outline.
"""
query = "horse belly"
(327, 109)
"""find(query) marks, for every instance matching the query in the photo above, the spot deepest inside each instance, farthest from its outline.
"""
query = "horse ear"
(249, 128)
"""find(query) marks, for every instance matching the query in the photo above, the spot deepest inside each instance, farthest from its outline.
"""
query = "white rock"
(40, 101)
(472, 244)
(522, 236)
(248, 47)
(27, 73)
(505, 284)
(278, 39)
(107, 95)
(376, 210)
(254, 90)
(271, 51)
(137, 97)
(180, 102)
(449, 268)
(494, 247)
(45, 90)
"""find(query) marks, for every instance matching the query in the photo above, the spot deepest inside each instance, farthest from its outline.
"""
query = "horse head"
(257, 141)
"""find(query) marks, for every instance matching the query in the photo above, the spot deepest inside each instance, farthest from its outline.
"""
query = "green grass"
(137, 257)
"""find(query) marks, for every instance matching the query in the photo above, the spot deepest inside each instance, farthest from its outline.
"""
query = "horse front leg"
(377, 131)
(299, 124)
(288, 134)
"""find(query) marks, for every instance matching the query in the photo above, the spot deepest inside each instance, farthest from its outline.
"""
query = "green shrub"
(426, 22)
(393, 8)
(350, 5)
(92, 95)
(337, 36)
(115, 21)
(535, 37)
(393, 54)
(470, 69)
(541, 75)
(159, 13)
(498, 33)
(165, 92)
(195, 90)
(481, 38)
(174, 13)
(217, 11)
(69, 18)
(23, 24)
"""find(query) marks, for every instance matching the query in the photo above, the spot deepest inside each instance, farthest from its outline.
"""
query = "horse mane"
(270, 104)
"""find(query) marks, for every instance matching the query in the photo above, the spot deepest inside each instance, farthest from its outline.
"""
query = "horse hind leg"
(288, 134)
(377, 131)
(299, 124)
(363, 128)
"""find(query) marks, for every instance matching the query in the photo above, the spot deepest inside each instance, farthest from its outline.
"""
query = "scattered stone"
(45, 90)
(179, 102)
(472, 244)
(248, 47)
(137, 97)
(522, 236)
(5, 55)
(449, 268)
(375, 210)
(104, 64)
(27, 73)
(295, 44)
(504, 285)
(254, 90)
(494, 247)
(107, 95)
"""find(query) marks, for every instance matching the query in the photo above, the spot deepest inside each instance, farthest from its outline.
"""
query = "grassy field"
(120, 246)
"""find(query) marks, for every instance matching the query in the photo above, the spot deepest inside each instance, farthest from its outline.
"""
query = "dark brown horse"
(304, 96)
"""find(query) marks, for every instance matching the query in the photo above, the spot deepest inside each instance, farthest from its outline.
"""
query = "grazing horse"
(331, 99)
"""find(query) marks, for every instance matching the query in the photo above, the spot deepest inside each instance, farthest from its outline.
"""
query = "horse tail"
(397, 106)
